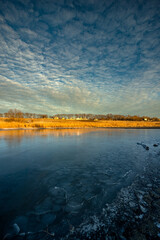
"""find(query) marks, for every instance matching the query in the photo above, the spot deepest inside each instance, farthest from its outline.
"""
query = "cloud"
(80, 56)
(58, 17)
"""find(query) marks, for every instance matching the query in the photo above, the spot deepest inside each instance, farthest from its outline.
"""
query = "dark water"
(57, 178)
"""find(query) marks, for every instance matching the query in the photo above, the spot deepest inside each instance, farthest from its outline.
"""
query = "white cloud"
(80, 57)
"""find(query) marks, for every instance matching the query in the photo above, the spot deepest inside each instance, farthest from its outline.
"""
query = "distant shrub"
(11, 119)
(37, 125)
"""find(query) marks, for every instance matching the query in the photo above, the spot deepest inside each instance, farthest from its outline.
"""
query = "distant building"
(145, 119)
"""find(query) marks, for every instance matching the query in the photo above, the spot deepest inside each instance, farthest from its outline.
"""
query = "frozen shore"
(134, 214)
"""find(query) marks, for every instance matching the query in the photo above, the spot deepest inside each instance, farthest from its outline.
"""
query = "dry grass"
(51, 123)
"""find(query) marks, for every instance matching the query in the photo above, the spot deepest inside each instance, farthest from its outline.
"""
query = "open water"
(55, 179)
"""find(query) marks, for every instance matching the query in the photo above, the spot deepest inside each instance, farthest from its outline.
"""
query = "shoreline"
(61, 128)
(134, 214)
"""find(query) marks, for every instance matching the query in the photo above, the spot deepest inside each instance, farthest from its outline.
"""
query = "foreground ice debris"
(59, 195)
(14, 231)
(135, 214)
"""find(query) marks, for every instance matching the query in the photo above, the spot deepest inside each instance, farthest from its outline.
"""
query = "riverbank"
(52, 123)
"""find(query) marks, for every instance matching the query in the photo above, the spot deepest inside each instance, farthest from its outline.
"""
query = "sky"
(80, 56)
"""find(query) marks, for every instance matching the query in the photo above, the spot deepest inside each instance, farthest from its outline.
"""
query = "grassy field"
(51, 123)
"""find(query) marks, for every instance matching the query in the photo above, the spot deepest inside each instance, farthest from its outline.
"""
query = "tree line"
(15, 113)
(108, 116)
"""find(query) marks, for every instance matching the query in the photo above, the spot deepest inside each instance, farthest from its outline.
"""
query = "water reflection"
(16, 136)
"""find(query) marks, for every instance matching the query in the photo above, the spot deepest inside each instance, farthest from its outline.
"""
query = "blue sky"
(80, 56)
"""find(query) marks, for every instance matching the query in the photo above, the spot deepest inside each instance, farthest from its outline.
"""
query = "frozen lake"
(58, 178)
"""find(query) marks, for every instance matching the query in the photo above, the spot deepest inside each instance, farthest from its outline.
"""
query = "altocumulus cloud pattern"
(80, 56)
